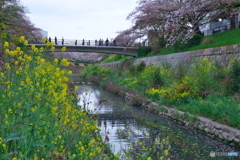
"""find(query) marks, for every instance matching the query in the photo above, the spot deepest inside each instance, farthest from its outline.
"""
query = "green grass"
(220, 39)
(117, 58)
(219, 108)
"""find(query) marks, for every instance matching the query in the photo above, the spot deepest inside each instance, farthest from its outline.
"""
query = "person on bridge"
(75, 42)
(106, 42)
(55, 40)
(100, 42)
(83, 42)
(95, 42)
(62, 41)
(114, 42)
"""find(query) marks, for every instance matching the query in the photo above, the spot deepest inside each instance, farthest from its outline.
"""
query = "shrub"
(194, 41)
(145, 77)
(141, 66)
(157, 80)
(235, 74)
(94, 70)
(143, 51)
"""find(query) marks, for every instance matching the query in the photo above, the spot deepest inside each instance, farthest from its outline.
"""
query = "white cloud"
(78, 19)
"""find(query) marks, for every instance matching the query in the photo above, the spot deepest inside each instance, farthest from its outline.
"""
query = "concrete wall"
(221, 54)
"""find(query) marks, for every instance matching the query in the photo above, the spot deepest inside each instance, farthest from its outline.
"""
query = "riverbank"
(108, 82)
(224, 132)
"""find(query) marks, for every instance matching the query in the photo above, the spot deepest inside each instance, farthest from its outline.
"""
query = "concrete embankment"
(221, 54)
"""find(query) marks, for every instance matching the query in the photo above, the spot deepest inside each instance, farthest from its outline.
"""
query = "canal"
(132, 130)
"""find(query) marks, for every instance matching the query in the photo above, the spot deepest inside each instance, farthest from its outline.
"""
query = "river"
(124, 126)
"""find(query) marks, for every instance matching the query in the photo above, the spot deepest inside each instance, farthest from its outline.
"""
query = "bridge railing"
(78, 42)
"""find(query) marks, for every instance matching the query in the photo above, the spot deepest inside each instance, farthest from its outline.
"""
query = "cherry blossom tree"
(174, 19)
(13, 21)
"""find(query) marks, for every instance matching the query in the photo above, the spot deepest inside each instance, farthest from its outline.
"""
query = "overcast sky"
(78, 19)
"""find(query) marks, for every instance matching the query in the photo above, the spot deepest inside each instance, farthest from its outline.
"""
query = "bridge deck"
(128, 51)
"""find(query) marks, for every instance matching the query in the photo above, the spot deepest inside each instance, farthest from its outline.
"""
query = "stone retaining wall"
(222, 131)
(222, 54)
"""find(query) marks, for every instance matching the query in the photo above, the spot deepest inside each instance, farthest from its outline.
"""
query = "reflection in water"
(124, 127)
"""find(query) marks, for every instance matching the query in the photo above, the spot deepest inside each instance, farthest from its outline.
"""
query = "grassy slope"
(216, 40)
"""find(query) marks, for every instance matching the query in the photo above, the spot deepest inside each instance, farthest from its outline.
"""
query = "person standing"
(75, 42)
(106, 42)
(49, 39)
(95, 42)
(62, 41)
(55, 40)
(83, 42)
(114, 42)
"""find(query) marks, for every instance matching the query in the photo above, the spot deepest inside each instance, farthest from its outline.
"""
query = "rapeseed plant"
(38, 115)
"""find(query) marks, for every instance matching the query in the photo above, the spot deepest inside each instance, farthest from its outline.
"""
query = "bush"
(194, 41)
(157, 80)
(235, 75)
(141, 66)
(143, 51)
(94, 70)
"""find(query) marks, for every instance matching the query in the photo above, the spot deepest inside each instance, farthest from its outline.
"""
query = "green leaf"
(40, 144)
(14, 136)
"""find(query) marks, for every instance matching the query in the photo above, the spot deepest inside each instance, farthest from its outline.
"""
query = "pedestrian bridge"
(127, 51)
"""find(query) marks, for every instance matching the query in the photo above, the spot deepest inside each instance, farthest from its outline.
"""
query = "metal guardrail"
(77, 42)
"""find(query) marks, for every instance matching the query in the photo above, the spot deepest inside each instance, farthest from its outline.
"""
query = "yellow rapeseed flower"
(1, 75)
(74, 156)
(166, 152)
(55, 61)
(44, 40)
(52, 48)
(25, 43)
(22, 39)
(6, 44)
(42, 60)
(69, 72)
(63, 49)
